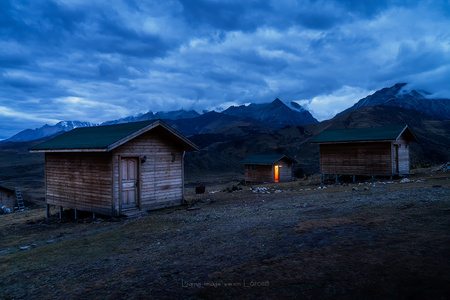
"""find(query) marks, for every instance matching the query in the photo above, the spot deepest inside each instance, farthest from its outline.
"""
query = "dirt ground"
(379, 239)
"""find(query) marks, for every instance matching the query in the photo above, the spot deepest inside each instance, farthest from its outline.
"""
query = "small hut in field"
(268, 168)
(7, 197)
(372, 151)
(117, 169)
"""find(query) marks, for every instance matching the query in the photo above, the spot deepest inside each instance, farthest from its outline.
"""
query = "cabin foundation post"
(75, 214)
(47, 208)
(336, 177)
(354, 178)
(321, 178)
(93, 216)
(60, 212)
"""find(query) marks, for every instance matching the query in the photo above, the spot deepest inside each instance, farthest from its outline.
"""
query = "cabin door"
(396, 159)
(129, 182)
(277, 173)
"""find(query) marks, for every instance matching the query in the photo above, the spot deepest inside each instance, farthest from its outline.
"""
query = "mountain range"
(276, 114)
(223, 152)
(47, 130)
(225, 140)
(257, 117)
(260, 116)
(399, 96)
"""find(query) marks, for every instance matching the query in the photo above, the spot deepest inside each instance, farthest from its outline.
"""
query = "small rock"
(406, 180)
(6, 210)
(28, 247)
(354, 188)
(193, 208)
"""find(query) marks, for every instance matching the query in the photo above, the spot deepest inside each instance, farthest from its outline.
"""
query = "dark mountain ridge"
(275, 113)
(261, 116)
(226, 153)
(231, 139)
(170, 115)
(399, 96)
(47, 131)
(242, 122)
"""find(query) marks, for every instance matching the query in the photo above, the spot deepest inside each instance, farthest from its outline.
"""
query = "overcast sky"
(103, 60)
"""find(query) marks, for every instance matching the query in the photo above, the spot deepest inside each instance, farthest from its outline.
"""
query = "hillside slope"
(225, 155)
(275, 113)
(227, 140)
(399, 96)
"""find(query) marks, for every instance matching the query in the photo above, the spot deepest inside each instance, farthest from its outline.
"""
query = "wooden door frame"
(138, 184)
(396, 160)
(276, 173)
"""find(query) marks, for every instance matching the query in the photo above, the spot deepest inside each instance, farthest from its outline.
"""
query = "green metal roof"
(390, 132)
(102, 138)
(266, 159)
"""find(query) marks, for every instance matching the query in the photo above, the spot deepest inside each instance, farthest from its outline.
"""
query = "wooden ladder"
(19, 198)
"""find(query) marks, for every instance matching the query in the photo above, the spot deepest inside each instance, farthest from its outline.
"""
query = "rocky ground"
(375, 240)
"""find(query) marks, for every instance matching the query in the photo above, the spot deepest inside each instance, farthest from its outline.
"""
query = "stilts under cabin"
(117, 169)
(268, 168)
(373, 151)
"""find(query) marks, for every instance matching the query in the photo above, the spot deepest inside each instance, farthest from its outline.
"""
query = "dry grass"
(388, 241)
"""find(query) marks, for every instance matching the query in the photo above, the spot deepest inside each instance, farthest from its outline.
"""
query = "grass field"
(374, 240)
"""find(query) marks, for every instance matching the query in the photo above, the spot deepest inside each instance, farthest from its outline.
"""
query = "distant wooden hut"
(370, 151)
(7, 197)
(116, 169)
(268, 168)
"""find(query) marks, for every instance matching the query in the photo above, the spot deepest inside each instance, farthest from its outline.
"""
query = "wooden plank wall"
(372, 158)
(258, 173)
(285, 173)
(7, 199)
(161, 175)
(403, 156)
(80, 181)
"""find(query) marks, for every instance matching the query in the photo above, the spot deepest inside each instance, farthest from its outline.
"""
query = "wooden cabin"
(373, 151)
(268, 168)
(117, 169)
(7, 197)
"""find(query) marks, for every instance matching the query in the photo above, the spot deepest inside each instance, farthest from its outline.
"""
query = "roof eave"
(358, 141)
(68, 150)
(7, 188)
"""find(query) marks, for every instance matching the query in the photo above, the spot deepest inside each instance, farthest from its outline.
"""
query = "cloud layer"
(102, 60)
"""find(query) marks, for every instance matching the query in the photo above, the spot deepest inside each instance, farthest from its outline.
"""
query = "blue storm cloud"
(102, 60)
